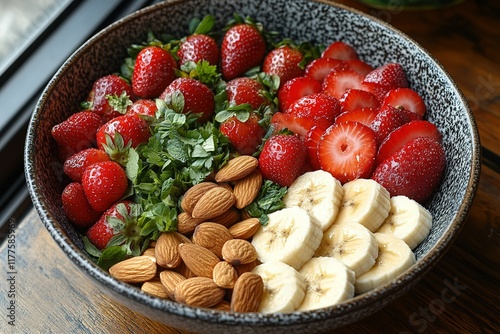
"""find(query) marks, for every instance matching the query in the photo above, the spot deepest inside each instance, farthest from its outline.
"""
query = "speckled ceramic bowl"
(302, 20)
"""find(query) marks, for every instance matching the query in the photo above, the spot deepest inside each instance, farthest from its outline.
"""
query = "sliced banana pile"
(333, 241)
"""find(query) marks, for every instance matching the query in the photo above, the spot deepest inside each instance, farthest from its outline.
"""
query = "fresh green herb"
(269, 200)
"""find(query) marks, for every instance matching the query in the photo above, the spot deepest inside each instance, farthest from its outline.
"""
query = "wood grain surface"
(460, 295)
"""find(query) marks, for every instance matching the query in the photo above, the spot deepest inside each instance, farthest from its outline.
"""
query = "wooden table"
(460, 295)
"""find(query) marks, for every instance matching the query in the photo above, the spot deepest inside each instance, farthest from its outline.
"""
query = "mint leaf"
(111, 255)
(269, 200)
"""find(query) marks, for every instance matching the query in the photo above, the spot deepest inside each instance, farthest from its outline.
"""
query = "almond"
(167, 251)
(155, 288)
(245, 229)
(193, 194)
(199, 292)
(223, 305)
(136, 269)
(228, 218)
(225, 275)
(198, 259)
(212, 236)
(149, 252)
(247, 293)
(213, 203)
(184, 270)
(186, 224)
(238, 251)
(237, 168)
(169, 279)
(247, 267)
(247, 189)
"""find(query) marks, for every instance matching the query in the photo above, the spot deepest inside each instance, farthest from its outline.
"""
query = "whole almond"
(223, 305)
(169, 279)
(237, 168)
(247, 189)
(247, 267)
(247, 293)
(186, 224)
(167, 250)
(155, 288)
(198, 259)
(212, 236)
(199, 292)
(213, 203)
(238, 251)
(193, 194)
(136, 269)
(149, 252)
(225, 275)
(245, 229)
(228, 218)
(184, 270)
(245, 215)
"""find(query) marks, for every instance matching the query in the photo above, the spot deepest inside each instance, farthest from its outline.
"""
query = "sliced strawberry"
(399, 137)
(364, 116)
(246, 136)
(359, 66)
(198, 47)
(384, 78)
(311, 141)
(282, 159)
(406, 98)
(76, 164)
(316, 106)
(77, 207)
(298, 125)
(284, 62)
(319, 68)
(356, 98)
(245, 90)
(347, 151)
(387, 120)
(296, 88)
(143, 107)
(340, 50)
(415, 170)
(378, 90)
(338, 81)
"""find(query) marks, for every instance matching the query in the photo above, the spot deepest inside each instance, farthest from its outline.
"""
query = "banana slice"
(319, 193)
(284, 287)
(328, 282)
(394, 257)
(352, 244)
(291, 236)
(407, 220)
(365, 202)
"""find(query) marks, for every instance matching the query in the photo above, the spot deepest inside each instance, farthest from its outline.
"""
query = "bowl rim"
(371, 298)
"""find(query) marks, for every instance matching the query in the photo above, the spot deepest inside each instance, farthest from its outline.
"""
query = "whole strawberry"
(285, 62)
(282, 159)
(76, 164)
(144, 107)
(77, 207)
(246, 136)
(154, 70)
(198, 47)
(245, 90)
(243, 47)
(104, 183)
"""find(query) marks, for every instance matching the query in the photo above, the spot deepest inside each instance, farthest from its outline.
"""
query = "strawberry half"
(296, 88)
(315, 106)
(340, 50)
(347, 151)
(359, 66)
(415, 170)
(406, 98)
(298, 125)
(319, 68)
(364, 116)
(399, 137)
(77, 207)
(356, 98)
(311, 140)
(384, 78)
(76, 164)
(338, 81)
(387, 120)
(284, 62)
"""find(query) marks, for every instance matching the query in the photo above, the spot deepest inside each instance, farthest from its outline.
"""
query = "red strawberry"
(319, 68)
(77, 207)
(384, 78)
(338, 81)
(347, 151)
(298, 125)
(104, 183)
(242, 48)
(76, 164)
(359, 66)
(399, 137)
(198, 47)
(315, 106)
(110, 96)
(245, 90)
(387, 120)
(144, 107)
(405, 98)
(356, 98)
(282, 159)
(415, 170)
(76, 133)
(296, 88)
(284, 62)
(364, 116)
(340, 50)
(311, 141)
(247, 136)
(107, 227)
(198, 98)
(154, 70)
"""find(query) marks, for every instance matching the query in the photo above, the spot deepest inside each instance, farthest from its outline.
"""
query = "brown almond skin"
(198, 259)
(167, 251)
(237, 168)
(136, 269)
(186, 224)
(154, 288)
(169, 279)
(212, 236)
(213, 203)
(245, 229)
(225, 275)
(193, 194)
(238, 251)
(247, 293)
(198, 292)
(247, 267)
(247, 189)
(228, 218)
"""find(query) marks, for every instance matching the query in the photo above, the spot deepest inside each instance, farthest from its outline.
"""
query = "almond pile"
(208, 261)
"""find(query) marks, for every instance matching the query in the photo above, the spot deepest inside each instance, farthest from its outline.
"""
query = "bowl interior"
(318, 22)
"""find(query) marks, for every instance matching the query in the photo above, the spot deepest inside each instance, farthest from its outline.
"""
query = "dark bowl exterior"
(317, 21)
